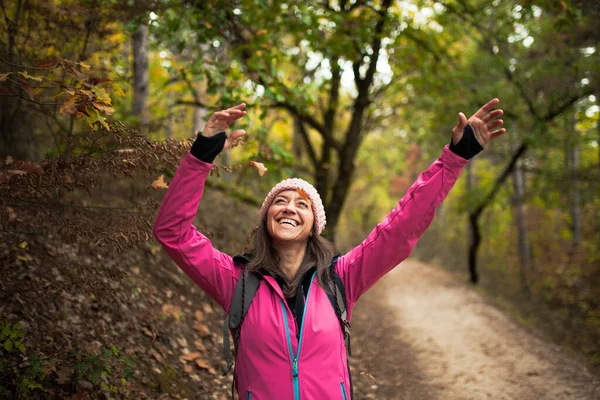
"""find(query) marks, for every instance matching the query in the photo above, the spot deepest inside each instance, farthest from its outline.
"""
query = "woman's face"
(290, 217)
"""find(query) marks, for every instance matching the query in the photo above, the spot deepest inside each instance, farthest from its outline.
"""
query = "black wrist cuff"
(208, 148)
(468, 147)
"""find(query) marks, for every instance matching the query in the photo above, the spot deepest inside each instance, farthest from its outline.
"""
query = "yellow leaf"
(259, 167)
(68, 107)
(24, 74)
(23, 245)
(4, 77)
(84, 65)
(104, 108)
(101, 95)
(160, 183)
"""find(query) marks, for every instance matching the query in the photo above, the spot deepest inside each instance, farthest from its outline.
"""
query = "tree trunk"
(520, 215)
(140, 73)
(575, 193)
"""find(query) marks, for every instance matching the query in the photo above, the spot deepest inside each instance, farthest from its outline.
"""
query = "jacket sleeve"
(193, 252)
(393, 239)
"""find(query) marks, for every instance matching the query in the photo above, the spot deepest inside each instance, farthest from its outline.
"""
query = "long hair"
(319, 253)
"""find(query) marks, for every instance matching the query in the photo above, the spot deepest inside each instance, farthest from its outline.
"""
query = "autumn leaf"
(26, 167)
(68, 107)
(47, 63)
(4, 77)
(24, 74)
(4, 178)
(260, 167)
(84, 65)
(160, 183)
(187, 369)
(103, 107)
(201, 328)
(190, 356)
(202, 364)
(11, 214)
(27, 88)
(199, 316)
(9, 160)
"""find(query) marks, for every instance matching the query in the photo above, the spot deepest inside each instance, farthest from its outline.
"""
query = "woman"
(291, 345)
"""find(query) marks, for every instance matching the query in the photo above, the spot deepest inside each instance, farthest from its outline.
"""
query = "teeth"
(289, 221)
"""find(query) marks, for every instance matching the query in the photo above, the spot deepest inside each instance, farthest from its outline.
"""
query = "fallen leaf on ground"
(199, 316)
(260, 167)
(202, 364)
(191, 356)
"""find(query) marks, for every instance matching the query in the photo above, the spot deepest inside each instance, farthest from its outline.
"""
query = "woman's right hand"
(220, 121)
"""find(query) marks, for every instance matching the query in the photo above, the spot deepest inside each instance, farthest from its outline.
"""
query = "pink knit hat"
(311, 192)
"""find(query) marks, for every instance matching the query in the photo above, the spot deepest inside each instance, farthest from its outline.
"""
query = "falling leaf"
(260, 167)
(84, 65)
(23, 245)
(190, 356)
(9, 160)
(160, 183)
(4, 77)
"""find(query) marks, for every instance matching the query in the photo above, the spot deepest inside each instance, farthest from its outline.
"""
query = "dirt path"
(436, 338)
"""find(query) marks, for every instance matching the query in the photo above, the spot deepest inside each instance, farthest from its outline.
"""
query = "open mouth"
(288, 222)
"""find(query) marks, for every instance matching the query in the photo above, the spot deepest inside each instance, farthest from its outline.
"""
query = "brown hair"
(319, 253)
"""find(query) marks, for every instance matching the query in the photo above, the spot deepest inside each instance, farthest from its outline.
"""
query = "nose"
(290, 208)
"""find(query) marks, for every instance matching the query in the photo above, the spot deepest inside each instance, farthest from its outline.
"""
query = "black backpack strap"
(243, 295)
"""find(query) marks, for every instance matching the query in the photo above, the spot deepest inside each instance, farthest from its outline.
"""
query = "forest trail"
(449, 342)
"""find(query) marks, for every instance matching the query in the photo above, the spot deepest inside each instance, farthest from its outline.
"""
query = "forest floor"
(422, 334)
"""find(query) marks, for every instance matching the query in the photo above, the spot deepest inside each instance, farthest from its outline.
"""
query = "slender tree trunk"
(575, 193)
(520, 215)
(140, 73)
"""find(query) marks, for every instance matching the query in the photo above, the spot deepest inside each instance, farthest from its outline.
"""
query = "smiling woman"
(292, 342)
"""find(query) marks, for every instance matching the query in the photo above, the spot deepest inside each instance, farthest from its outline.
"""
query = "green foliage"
(11, 336)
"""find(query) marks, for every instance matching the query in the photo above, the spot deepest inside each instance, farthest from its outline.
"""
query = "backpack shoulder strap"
(243, 295)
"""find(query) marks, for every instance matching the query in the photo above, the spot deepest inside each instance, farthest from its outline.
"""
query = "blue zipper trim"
(293, 358)
(343, 391)
(248, 395)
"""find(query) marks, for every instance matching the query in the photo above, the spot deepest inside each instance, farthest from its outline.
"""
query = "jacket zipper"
(343, 391)
(248, 395)
(293, 358)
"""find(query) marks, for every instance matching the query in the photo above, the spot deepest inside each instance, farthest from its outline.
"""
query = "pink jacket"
(271, 362)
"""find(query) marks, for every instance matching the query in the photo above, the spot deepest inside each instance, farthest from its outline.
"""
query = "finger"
(483, 110)
(492, 115)
(239, 107)
(497, 133)
(494, 124)
(462, 123)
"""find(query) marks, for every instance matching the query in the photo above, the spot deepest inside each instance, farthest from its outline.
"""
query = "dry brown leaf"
(24, 74)
(64, 375)
(201, 328)
(190, 356)
(199, 345)
(172, 310)
(16, 172)
(182, 342)
(202, 364)
(160, 183)
(199, 316)
(188, 369)
(260, 167)
(80, 396)
(11, 214)
(157, 357)
(8, 160)
(207, 308)
(4, 178)
(4, 77)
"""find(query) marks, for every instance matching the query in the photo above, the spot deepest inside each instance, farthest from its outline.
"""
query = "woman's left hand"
(485, 124)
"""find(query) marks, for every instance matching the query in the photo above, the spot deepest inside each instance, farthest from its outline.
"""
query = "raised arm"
(193, 252)
(394, 238)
